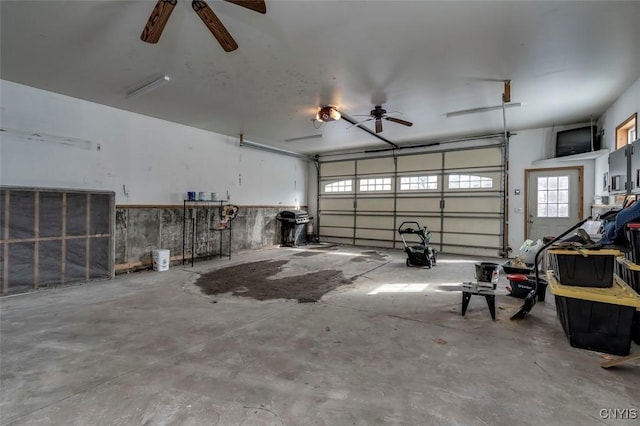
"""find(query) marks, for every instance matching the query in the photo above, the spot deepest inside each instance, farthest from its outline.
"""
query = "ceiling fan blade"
(399, 121)
(256, 5)
(157, 20)
(378, 125)
(215, 25)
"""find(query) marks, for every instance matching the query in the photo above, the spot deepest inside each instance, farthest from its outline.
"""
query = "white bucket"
(161, 260)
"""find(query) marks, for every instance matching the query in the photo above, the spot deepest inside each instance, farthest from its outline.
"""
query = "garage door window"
(553, 196)
(418, 183)
(375, 184)
(340, 186)
(469, 182)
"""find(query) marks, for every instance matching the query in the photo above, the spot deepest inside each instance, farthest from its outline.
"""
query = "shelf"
(190, 229)
(576, 157)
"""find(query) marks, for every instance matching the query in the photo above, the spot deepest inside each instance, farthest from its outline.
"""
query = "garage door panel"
(470, 251)
(473, 158)
(374, 234)
(375, 204)
(380, 222)
(420, 162)
(374, 243)
(338, 168)
(336, 232)
(486, 226)
(336, 240)
(472, 240)
(337, 220)
(375, 166)
(481, 205)
(344, 204)
(431, 204)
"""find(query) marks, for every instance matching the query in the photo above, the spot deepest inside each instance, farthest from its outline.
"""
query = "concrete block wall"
(139, 230)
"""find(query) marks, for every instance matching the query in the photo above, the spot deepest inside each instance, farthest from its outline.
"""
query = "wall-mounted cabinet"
(619, 170)
(634, 167)
(624, 170)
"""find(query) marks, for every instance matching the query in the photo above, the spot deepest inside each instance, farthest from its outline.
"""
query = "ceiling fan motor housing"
(378, 112)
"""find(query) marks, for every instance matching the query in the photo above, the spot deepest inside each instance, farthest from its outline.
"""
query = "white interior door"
(554, 201)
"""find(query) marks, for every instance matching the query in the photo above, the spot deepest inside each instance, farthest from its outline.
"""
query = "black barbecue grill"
(293, 228)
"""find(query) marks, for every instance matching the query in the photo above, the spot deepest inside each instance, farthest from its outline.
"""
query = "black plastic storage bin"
(584, 268)
(599, 319)
(509, 269)
(596, 326)
(635, 328)
(629, 272)
(632, 232)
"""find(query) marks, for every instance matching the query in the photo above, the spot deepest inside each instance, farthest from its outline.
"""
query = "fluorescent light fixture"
(304, 138)
(482, 109)
(148, 87)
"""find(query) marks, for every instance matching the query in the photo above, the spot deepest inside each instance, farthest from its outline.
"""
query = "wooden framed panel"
(54, 236)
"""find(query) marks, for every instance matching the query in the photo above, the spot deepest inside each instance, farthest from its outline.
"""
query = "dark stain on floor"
(307, 253)
(252, 280)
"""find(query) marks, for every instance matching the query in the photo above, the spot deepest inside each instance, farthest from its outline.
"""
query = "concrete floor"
(149, 349)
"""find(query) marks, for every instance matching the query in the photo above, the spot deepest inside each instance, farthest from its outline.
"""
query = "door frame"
(580, 170)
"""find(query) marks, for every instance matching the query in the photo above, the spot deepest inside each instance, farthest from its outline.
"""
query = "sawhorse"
(469, 289)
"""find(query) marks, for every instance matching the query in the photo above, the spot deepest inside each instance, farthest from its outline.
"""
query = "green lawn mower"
(421, 254)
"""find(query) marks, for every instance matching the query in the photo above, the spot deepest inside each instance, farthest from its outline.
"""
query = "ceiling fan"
(506, 103)
(378, 114)
(163, 8)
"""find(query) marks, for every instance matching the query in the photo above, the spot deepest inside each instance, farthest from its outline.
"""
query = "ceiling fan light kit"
(328, 113)
(148, 87)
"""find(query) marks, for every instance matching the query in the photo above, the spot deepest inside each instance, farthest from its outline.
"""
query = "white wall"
(627, 104)
(144, 160)
(525, 148)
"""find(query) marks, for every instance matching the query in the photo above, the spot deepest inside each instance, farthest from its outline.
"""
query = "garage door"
(456, 194)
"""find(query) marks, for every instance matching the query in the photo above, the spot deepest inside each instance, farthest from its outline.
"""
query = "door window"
(553, 196)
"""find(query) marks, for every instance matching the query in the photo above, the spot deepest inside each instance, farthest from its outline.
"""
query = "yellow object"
(618, 294)
(629, 264)
(583, 252)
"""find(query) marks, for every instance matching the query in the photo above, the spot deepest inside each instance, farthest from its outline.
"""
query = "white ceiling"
(568, 61)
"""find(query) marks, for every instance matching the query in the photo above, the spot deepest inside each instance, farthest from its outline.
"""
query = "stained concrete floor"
(390, 348)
